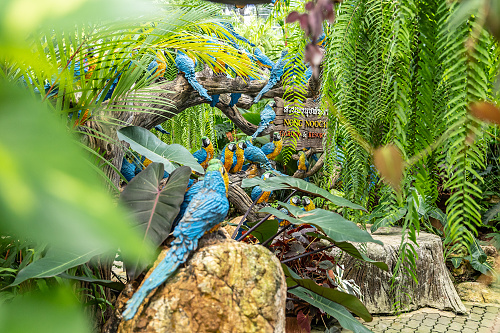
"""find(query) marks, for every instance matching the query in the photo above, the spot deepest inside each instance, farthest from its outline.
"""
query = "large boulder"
(226, 286)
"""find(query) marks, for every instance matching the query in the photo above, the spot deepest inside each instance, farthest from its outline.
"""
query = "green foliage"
(154, 207)
(147, 144)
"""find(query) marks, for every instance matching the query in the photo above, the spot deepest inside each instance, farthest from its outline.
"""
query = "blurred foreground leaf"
(48, 190)
(52, 311)
(389, 163)
(486, 112)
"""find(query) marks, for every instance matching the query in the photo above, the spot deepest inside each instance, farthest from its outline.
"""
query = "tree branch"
(313, 170)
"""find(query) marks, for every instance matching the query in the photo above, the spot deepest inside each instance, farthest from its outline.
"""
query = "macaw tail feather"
(234, 99)
(160, 274)
(215, 100)
(198, 87)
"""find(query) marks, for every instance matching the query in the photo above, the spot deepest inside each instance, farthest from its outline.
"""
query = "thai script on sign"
(305, 111)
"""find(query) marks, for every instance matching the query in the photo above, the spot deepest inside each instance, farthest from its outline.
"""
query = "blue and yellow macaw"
(258, 194)
(256, 155)
(293, 201)
(267, 116)
(205, 153)
(186, 65)
(228, 156)
(307, 204)
(240, 156)
(303, 163)
(127, 170)
(208, 209)
(262, 59)
(276, 74)
(273, 148)
(156, 68)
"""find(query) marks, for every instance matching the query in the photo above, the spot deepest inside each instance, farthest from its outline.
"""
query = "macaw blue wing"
(276, 74)
(256, 192)
(188, 197)
(200, 155)
(234, 99)
(127, 170)
(268, 148)
(256, 155)
(186, 65)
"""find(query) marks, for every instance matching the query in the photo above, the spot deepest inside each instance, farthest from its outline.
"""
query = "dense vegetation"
(401, 75)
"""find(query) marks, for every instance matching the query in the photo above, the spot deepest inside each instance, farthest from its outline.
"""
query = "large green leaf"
(339, 312)
(287, 183)
(154, 209)
(351, 302)
(55, 262)
(332, 224)
(266, 230)
(147, 144)
(48, 189)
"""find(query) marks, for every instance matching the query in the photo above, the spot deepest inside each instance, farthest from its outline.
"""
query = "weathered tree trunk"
(434, 288)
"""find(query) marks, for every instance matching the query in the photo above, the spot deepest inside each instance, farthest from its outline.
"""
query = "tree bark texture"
(434, 288)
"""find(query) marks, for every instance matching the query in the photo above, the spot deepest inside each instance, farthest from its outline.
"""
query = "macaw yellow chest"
(278, 145)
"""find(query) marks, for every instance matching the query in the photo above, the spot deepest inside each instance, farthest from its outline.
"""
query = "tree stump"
(434, 288)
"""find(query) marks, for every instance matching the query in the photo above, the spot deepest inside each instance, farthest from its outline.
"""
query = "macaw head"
(295, 201)
(266, 175)
(308, 204)
(231, 147)
(216, 165)
(205, 142)
(276, 136)
(242, 145)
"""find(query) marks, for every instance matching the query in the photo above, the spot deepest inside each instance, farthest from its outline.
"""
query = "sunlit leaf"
(147, 144)
(486, 112)
(389, 163)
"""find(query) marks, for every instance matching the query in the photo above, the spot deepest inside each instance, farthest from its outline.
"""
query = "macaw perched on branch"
(156, 68)
(240, 156)
(186, 65)
(303, 163)
(127, 170)
(206, 210)
(160, 129)
(273, 148)
(267, 116)
(276, 74)
(262, 59)
(205, 153)
(256, 155)
(228, 156)
(257, 192)
(293, 201)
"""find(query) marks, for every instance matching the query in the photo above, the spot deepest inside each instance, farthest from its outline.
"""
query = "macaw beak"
(276, 136)
(306, 202)
(242, 145)
(296, 201)
(231, 147)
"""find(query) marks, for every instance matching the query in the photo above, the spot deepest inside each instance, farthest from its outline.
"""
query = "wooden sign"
(310, 120)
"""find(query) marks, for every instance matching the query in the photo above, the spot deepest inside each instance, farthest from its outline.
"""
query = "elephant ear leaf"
(154, 208)
(147, 144)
